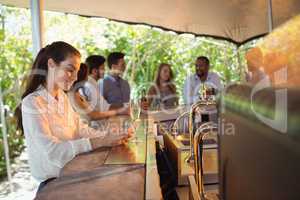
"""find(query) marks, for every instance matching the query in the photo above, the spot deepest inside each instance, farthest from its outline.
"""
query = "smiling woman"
(53, 131)
(62, 75)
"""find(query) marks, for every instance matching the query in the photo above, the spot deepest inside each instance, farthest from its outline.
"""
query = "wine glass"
(135, 115)
(134, 110)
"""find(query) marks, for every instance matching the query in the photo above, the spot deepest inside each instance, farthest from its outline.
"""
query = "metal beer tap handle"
(174, 129)
(190, 157)
(201, 132)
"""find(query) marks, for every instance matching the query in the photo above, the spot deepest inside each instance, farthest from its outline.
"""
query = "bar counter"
(126, 172)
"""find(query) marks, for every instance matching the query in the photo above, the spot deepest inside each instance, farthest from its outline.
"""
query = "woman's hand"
(114, 138)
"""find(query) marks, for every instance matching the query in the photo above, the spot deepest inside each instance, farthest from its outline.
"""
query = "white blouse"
(54, 133)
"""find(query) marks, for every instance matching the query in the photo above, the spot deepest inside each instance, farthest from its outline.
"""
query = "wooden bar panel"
(107, 182)
(86, 162)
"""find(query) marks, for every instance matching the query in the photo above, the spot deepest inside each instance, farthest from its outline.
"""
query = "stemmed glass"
(135, 116)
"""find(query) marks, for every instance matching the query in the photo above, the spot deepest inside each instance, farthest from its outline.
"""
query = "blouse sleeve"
(83, 130)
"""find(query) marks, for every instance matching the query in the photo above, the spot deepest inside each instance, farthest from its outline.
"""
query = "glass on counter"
(135, 111)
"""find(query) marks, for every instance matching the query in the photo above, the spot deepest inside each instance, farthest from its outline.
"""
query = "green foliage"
(15, 59)
(145, 49)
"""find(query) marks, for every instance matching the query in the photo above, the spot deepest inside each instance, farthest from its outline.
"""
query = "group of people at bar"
(101, 95)
(61, 93)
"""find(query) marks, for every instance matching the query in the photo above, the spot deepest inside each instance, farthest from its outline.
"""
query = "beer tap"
(194, 106)
(204, 130)
(176, 123)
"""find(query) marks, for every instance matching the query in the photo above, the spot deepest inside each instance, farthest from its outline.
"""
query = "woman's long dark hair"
(157, 78)
(82, 73)
(58, 51)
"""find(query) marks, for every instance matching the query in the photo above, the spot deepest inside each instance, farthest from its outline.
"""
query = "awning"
(234, 20)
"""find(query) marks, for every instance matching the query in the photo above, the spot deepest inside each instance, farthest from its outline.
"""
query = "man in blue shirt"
(114, 88)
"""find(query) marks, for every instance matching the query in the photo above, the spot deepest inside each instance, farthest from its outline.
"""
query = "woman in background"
(163, 93)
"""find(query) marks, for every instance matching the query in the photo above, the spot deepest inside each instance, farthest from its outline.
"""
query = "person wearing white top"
(53, 131)
(193, 83)
(93, 90)
(85, 94)
(96, 70)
